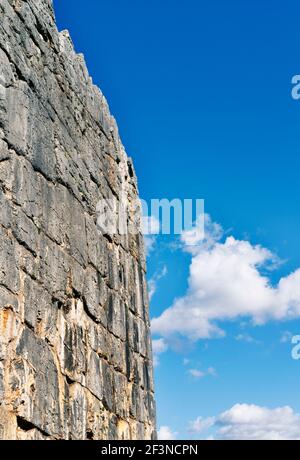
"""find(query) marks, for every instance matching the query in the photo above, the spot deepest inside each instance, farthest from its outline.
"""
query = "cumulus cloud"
(251, 422)
(159, 346)
(228, 280)
(166, 434)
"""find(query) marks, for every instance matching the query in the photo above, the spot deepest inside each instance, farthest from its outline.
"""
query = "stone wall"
(75, 345)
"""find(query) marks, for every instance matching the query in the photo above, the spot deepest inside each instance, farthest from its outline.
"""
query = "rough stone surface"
(75, 348)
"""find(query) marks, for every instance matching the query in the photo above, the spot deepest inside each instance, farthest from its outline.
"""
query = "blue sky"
(202, 95)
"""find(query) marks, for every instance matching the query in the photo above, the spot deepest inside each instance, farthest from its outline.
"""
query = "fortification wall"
(75, 346)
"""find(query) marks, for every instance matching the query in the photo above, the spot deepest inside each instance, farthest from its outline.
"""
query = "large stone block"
(9, 263)
(35, 384)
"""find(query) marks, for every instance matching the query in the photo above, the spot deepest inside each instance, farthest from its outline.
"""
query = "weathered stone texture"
(75, 347)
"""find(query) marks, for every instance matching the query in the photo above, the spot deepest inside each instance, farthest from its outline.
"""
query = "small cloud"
(152, 283)
(246, 338)
(197, 374)
(149, 244)
(166, 434)
(159, 346)
(186, 362)
(286, 337)
(212, 371)
(151, 228)
(244, 324)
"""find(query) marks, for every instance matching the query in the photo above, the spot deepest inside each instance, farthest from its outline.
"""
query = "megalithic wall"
(75, 344)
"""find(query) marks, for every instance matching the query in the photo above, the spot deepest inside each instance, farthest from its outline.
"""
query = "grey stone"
(94, 379)
(9, 273)
(75, 342)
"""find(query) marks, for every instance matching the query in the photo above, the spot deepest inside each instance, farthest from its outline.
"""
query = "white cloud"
(196, 373)
(204, 234)
(251, 422)
(200, 374)
(212, 371)
(151, 228)
(201, 424)
(228, 281)
(286, 336)
(159, 346)
(149, 244)
(166, 434)
(246, 338)
(152, 283)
